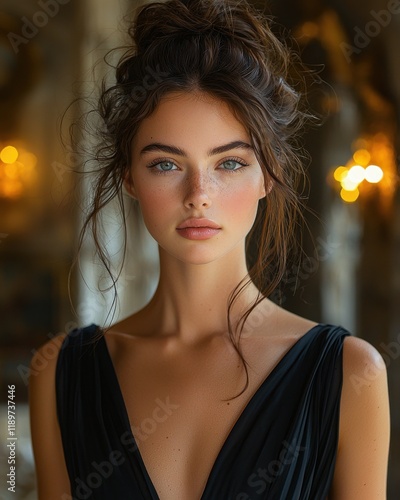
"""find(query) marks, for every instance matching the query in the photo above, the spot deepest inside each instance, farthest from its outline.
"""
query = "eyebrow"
(156, 146)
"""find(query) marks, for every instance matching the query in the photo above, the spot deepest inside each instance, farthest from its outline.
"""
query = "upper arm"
(364, 427)
(51, 472)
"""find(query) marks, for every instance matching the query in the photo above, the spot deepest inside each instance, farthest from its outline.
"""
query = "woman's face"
(192, 159)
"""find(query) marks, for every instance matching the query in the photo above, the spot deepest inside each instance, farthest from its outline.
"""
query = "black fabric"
(283, 445)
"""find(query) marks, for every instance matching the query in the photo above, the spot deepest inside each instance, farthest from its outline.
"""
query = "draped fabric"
(283, 445)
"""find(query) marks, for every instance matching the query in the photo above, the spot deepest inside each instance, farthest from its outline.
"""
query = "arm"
(51, 472)
(364, 427)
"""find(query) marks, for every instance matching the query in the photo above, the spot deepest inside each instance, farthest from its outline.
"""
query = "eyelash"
(153, 164)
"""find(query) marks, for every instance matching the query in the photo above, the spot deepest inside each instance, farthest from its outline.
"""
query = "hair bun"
(158, 21)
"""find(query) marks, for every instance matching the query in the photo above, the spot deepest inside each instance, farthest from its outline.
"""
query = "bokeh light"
(373, 174)
(348, 185)
(9, 154)
(340, 173)
(362, 157)
(371, 169)
(356, 174)
(349, 196)
(29, 160)
(17, 171)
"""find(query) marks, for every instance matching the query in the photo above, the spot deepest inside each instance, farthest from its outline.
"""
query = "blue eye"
(165, 166)
(229, 165)
(232, 163)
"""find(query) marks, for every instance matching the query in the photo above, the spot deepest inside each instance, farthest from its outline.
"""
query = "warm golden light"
(362, 157)
(340, 173)
(29, 160)
(356, 174)
(348, 185)
(17, 170)
(373, 174)
(310, 29)
(9, 154)
(349, 196)
(369, 172)
(11, 171)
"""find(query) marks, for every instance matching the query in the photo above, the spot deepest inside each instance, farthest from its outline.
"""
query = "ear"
(129, 185)
(264, 191)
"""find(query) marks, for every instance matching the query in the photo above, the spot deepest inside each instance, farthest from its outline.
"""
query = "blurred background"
(351, 273)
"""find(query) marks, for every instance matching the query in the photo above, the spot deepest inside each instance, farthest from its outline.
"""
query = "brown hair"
(227, 49)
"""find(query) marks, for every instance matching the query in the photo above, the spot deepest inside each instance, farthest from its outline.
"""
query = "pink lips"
(198, 229)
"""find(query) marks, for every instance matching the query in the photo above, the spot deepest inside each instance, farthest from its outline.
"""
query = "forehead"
(194, 119)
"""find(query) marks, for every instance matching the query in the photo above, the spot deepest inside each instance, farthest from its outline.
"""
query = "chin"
(200, 253)
(196, 257)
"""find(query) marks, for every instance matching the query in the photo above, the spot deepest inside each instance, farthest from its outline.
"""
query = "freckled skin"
(198, 186)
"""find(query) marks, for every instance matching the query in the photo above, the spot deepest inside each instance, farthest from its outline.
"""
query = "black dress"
(283, 445)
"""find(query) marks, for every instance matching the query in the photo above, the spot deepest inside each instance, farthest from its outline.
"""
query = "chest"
(179, 438)
(181, 413)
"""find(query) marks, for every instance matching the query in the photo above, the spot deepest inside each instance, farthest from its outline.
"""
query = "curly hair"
(225, 48)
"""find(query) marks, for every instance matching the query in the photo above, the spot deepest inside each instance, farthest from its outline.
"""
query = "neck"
(191, 300)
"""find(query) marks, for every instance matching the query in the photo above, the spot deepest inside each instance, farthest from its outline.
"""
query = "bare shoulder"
(358, 351)
(364, 427)
(364, 382)
(363, 367)
(45, 357)
(41, 376)
(42, 369)
(43, 366)
(52, 478)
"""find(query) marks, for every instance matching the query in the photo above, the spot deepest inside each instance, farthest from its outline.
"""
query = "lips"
(198, 223)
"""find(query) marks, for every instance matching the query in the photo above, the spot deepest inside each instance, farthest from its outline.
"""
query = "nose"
(198, 190)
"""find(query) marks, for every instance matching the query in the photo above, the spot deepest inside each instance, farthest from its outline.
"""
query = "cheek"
(155, 204)
(241, 203)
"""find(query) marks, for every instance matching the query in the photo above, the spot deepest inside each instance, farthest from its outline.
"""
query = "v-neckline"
(242, 414)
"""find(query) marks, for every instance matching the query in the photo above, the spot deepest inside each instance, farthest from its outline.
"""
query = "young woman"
(211, 391)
